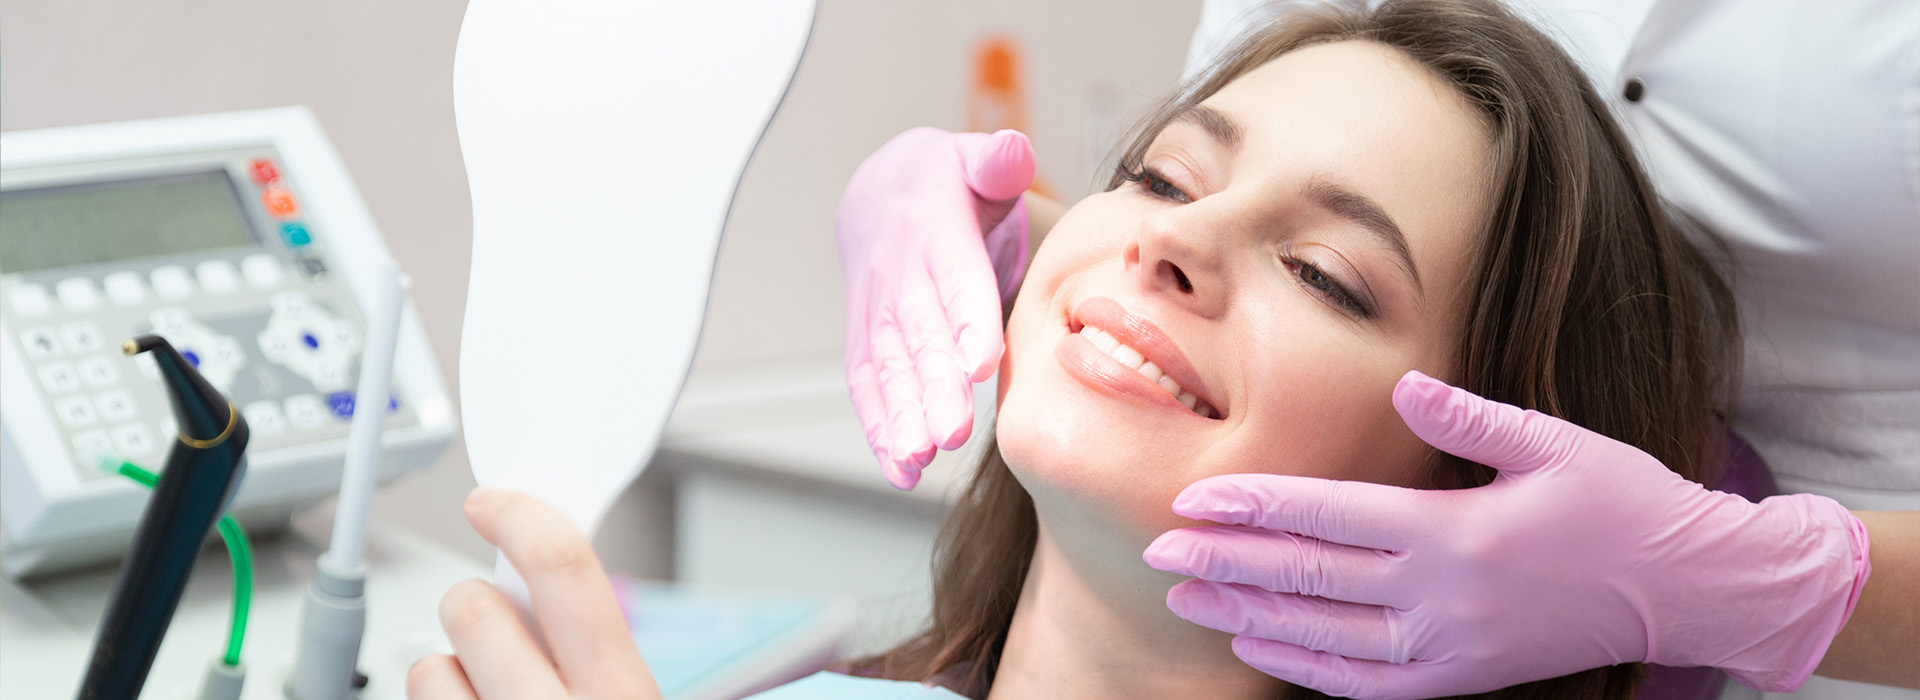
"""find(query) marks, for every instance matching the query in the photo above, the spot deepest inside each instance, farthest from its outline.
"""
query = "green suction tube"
(238, 549)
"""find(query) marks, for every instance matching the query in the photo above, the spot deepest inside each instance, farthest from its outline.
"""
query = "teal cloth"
(837, 686)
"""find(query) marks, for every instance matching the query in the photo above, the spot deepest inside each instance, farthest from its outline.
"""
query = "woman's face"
(1294, 246)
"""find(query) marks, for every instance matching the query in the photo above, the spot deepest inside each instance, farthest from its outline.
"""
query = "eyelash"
(1156, 185)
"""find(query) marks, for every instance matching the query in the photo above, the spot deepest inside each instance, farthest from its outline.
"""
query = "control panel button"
(59, 378)
(218, 276)
(30, 300)
(331, 376)
(262, 171)
(262, 271)
(274, 346)
(172, 282)
(134, 440)
(264, 418)
(311, 266)
(81, 337)
(295, 234)
(343, 335)
(99, 371)
(292, 305)
(40, 343)
(125, 288)
(306, 411)
(149, 368)
(169, 320)
(76, 411)
(341, 404)
(78, 293)
(116, 405)
(279, 201)
(92, 448)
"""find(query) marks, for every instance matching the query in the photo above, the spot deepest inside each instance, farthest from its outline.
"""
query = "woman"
(1351, 199)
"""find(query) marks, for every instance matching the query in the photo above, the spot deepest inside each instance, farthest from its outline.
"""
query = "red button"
(279, 202)
(263, 171)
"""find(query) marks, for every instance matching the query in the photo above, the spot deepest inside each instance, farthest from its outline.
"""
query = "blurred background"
(763, 467)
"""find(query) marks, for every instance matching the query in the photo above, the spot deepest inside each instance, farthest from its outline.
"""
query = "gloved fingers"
(1332, 674)
(1460, 423)
(968, 293)
(1279, 562)
(908, 447)
(497, 652)
(573, 599)
(439, 677)
(1346, 629)
(1352, 513)
(997, 166)
(863, 386)
(945, 393)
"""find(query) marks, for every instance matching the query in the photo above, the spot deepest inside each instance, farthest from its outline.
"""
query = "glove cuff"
(1007, 248)
(1822, 587)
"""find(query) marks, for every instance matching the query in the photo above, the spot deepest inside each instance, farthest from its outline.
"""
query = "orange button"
(279, 202)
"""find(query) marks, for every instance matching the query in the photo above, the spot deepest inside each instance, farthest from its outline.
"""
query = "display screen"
(52, 227)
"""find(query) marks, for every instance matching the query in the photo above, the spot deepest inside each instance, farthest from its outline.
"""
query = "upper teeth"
(1132, 358)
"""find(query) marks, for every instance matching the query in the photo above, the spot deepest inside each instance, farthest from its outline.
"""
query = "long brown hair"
(1592, 305)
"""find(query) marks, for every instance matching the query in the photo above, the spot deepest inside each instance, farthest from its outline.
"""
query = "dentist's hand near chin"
(495, 656)
(933, 235)
(1583, 552)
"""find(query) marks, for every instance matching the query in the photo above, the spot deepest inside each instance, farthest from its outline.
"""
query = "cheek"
(1328, 412)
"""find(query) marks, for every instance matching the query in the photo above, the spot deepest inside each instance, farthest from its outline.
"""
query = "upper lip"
(1135, 331)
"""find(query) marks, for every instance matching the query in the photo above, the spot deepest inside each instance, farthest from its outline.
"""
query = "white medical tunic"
(1792, 130)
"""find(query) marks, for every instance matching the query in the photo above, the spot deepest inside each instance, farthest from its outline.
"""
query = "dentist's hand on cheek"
(495, 657)
(933, 236)
(1583, 552)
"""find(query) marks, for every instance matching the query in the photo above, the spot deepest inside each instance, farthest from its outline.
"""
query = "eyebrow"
(1342, 202)
(1357, 208)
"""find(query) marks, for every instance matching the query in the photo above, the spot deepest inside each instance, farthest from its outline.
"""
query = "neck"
(1094, 624)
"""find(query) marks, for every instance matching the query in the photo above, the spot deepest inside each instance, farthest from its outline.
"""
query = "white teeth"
(1132, 358)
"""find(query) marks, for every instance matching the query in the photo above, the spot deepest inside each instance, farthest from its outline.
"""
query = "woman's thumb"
(998, 166)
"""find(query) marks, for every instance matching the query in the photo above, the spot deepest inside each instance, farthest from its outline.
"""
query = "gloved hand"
(1583, 552)
(933, 236)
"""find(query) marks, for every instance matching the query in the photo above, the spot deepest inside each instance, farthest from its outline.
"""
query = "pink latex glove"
(1583, 552)
(933, 236)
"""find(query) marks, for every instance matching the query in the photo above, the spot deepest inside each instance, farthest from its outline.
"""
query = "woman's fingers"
(499, 656)
(439, 677)
(572, 596)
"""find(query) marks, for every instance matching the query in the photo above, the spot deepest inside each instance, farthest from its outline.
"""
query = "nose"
(1178, 254)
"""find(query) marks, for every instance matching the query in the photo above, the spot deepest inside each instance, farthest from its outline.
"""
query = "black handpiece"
(203, 470)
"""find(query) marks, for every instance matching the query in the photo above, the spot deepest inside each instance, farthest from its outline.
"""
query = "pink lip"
(1140, 334)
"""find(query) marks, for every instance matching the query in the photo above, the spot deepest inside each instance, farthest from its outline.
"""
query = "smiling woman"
(1350, 194)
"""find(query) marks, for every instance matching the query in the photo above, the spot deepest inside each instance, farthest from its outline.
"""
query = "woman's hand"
(932, 237)
(495, 656)
(1583, 552)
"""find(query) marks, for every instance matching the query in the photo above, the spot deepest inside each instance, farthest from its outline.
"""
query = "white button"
(168, 320)
(262, 270)
(81, 337)
(149, 367)
(92, 448)
(30, 300)
(116, 405)
(227, 350)
(99, 372)
(134, 440)
(78, 293)
(171, 282)
(263, 418)
(274, 345)
(330, 376)
(306, 411)
(218, 276)
(293, 305)
(76, 411)
(343, 336)
(60, 378)
(125, 288)
(40, 343)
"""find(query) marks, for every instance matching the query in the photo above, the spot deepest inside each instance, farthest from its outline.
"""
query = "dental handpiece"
(203, 471)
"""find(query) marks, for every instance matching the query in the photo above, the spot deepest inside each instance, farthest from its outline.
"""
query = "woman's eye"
(1157, 185)
(1326, 286)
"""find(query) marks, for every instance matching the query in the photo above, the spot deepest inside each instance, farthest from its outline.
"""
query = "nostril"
(1180, 277)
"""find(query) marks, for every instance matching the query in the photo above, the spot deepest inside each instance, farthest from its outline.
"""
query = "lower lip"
(1100, 371)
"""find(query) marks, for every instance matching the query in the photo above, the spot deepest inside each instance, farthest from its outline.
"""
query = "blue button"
(342, 404)
(312, 342)
(192, 358)
(393, 404)
(295, 234)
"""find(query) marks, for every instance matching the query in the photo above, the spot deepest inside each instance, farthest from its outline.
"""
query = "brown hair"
(1592, 305)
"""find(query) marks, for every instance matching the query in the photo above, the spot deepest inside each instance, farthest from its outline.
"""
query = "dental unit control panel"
(239, 238)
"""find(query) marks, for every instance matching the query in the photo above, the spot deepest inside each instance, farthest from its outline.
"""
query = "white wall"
(378, 73)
